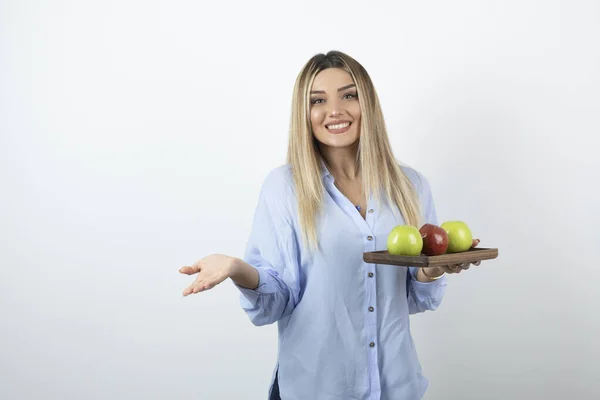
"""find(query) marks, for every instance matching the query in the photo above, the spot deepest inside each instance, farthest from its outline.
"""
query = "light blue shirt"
(343, 324)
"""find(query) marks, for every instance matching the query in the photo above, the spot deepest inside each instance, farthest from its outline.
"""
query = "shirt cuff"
(425, 286)
(265, 285)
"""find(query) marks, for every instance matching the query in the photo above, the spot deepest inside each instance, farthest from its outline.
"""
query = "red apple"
(435, 240)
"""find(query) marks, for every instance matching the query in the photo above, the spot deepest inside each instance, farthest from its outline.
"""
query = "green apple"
(459, 236)
(405, 240)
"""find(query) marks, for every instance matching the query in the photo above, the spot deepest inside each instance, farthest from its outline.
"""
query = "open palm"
(211, 271)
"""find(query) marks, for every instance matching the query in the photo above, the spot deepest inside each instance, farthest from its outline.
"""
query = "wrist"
(234, 267)
(431, 274)
(243, 274)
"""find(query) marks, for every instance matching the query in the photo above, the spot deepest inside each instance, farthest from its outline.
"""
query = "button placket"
(370, 301)
(371, 298)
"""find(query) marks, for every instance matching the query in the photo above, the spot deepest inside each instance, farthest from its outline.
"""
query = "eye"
(316, 101)
(350, 95)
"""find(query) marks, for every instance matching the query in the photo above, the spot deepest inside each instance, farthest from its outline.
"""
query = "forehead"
(331, 79)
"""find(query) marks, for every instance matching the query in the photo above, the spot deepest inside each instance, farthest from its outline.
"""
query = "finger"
(189, 290)
(475, 242)
(451, 269)
(193, 287)
(189, 270)
(476, 263)
(202, 287)
(465, 265)
(457, 268)
(199, 286)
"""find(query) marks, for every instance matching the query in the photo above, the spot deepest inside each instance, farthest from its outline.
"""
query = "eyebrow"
(339, 90)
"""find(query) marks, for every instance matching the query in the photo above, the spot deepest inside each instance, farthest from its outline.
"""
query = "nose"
(336, 108)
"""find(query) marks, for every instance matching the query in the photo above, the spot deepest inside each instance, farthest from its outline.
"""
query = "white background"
(135, 136)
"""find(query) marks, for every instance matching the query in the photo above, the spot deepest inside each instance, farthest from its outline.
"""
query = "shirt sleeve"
(424, 296)
(273, 250)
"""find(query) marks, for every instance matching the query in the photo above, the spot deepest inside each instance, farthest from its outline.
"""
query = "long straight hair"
(381, 173)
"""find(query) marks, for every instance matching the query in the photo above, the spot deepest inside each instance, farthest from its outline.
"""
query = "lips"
(338, 126)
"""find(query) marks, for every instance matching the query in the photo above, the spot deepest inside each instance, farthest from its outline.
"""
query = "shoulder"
(417, 179)
(277, 192)
(278, 181)
(279, 175)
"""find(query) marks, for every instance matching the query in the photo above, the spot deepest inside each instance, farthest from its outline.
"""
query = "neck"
(342, 162)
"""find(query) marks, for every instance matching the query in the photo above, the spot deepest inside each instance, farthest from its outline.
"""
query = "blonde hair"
(381, 173)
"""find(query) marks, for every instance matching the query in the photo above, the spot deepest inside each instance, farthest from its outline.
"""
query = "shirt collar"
(325, 174)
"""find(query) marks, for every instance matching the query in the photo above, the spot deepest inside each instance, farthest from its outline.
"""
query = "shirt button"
(371, 211)
(371, 344)
(371, 309)
(369, 237)
(370, 274)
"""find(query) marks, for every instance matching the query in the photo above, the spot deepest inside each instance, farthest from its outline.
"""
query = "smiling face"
(334, 109)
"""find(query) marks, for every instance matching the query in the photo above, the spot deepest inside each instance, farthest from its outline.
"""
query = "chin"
(340, 144)
(337, 140)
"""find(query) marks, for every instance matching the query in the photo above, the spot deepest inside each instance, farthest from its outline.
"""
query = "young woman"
(343, 324)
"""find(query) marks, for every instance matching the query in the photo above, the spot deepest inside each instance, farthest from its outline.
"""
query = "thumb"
(475, 242)
(190, 270)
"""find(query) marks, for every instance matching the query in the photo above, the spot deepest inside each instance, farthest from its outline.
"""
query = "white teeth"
(338, 126)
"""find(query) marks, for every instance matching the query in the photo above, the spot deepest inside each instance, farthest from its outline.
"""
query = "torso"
(346, 304)
(351, 318)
